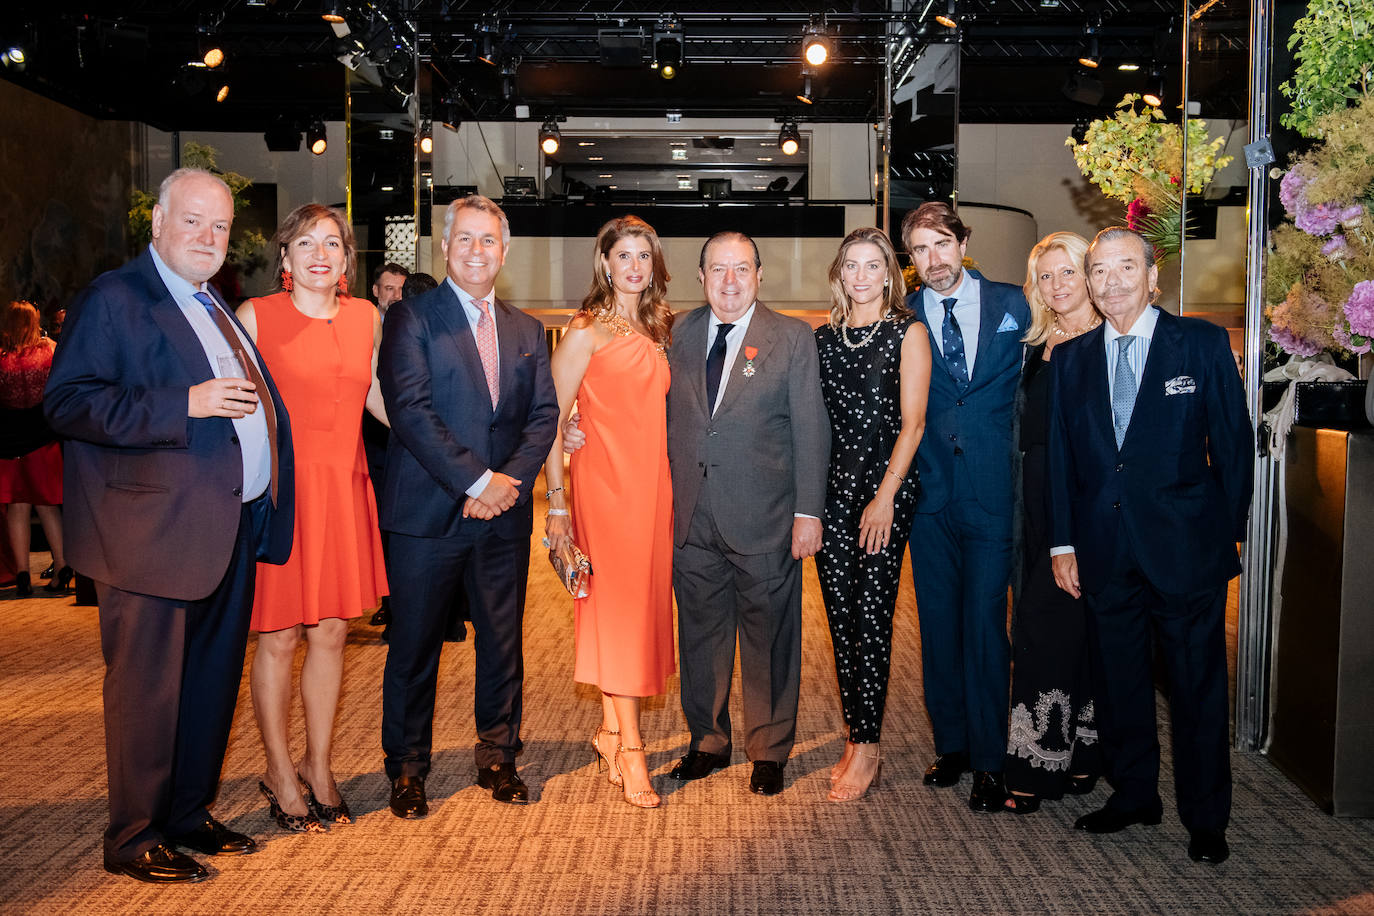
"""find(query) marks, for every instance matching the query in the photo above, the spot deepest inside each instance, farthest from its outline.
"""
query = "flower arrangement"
(1335, 61)
(1136, 157)
(1320, 278)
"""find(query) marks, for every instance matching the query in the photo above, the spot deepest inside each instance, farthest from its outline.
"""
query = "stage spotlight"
(1092, 59)
(949, 18)
(805, 95)
(1154, 88)
(427, 137)
(15, 58)
(816, 47)
(214, 56)
(332, 11)
(282, 136)
(549, 137)
(1080, 130)
(315, 136)
(1127, 67)
(668, 50)
(223, 93)
(789, 138)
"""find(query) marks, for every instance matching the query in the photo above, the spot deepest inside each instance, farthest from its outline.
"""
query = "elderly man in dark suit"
(962, 532)
(473, 413)
(1150, 475)
(748, 444)
(176, 482)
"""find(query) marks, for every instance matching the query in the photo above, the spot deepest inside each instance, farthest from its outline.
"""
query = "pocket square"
(1008, 324)
(1182, 384)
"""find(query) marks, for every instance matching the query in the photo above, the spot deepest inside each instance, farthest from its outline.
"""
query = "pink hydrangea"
(1292, 193)
(1342, 337)
(1359, 308)
(1319, 220)
(1292, 343)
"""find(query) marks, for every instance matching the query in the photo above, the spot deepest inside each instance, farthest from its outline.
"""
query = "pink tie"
(486, 348)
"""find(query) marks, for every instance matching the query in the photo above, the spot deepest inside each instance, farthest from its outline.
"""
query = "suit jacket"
(978, 421)
(1178, 490)
(763, 456)
(152, 498)
(444, 432)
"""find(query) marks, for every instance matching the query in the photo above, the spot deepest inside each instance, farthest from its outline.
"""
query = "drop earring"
(608, 276)
(286, 284)
(343, 284)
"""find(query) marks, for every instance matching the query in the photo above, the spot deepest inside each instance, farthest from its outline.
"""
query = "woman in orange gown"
(321, 345)
(611, 360)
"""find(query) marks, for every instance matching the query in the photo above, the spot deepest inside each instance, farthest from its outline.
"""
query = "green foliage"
(247, 250)
(1335, 57)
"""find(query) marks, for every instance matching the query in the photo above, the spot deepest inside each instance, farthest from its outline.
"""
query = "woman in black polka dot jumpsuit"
(875, 373)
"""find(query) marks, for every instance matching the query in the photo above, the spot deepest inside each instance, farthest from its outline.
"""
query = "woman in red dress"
(30, 458)
(321, 345)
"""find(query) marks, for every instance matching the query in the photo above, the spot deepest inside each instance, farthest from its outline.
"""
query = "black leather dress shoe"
(696, 764)
(160, 865)
(947, 769)
(989, 792)
(766, 778)
(408, 797)
(1110, 820)
(504, 783)
(214, 839)
(1208, 846)
(383, 615)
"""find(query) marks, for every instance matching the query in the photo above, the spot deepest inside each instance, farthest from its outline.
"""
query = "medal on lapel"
(749, 354)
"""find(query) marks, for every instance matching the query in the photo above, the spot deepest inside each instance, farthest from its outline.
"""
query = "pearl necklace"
(873, 332)
(1060, 332)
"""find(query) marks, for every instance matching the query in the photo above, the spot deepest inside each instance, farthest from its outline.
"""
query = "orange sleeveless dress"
(622, 513)
(323, 369)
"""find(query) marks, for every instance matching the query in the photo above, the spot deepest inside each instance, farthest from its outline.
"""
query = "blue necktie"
(715, 366)
(954, 344)
(1123, 389)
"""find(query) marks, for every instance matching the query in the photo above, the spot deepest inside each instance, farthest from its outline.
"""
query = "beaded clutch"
(572, 567)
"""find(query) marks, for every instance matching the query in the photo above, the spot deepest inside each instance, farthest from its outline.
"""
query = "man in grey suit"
(748, 444)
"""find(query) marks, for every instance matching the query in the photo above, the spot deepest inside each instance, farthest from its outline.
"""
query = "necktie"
(1123, 389)
(231, 337)
(486, 348)
(715, 365)
(954, 344)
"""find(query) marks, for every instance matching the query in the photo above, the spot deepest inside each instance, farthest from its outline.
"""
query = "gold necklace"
(1060, 332)
(618, 326)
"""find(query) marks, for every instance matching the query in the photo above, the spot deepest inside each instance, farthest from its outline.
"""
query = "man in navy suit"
(962, 533)
(176, 481)
(473, 413)
(1150, 474)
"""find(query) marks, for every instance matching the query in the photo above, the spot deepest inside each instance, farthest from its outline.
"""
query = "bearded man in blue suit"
(961, 536)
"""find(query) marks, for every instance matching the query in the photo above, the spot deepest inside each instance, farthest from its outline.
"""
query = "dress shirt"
(254, 445)
(968, 309)
(474, 315)
(1136, 352)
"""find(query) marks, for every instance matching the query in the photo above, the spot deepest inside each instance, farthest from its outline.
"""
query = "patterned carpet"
(713, 848)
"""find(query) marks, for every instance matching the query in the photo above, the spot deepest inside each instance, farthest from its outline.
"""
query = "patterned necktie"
(1123, 389)
(486, 348)
(231, 337)
(715, 365)
(954, 344)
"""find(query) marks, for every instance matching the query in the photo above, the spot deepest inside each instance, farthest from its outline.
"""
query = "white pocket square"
(1008, 324)
(1183, 384)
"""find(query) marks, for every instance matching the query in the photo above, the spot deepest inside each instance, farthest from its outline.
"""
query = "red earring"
(286, 283)
(343, 284)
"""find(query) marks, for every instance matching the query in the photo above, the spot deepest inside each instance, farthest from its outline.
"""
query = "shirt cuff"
(476, 489)
(804, 515)
(1060, 551)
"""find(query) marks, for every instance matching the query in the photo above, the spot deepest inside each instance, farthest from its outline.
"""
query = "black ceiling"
(129, 60)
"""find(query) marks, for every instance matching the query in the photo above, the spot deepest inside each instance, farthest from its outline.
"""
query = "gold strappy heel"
(842, 792)
(604, 763)
(644, 798)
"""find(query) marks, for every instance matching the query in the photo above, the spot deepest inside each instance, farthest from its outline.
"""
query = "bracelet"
(557, 512)
(548, 494)
(899, 479)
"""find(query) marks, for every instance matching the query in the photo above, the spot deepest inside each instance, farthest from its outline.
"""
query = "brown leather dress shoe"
(214, 839)
(159, 865)
(504, 783)
(408, 797)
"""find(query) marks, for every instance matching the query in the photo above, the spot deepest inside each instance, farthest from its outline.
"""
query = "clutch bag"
(572, 567)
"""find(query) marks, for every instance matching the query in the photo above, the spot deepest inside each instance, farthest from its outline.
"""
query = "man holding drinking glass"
(177, 479)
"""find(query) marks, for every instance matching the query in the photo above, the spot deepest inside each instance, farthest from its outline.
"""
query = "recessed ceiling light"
(387, 187)
(1129, 68)
(595, 158)
(586, 143)
(605, 176)
(765, 158)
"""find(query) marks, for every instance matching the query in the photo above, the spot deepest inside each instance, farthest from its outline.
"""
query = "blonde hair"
(894, 290)
(1042, 316)
(654, 313)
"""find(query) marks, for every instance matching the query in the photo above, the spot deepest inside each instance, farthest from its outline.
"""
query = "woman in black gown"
(875, 374)
(1052, 744)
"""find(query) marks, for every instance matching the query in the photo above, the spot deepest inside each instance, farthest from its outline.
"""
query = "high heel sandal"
(839, 767)
(295, 823)
(1081, 785)
(843, 792)
(333, 814)
(644, 798)
(62, 581)
(1018, 803)
(604, 764)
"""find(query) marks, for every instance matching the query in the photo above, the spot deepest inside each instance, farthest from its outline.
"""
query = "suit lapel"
(918, 308)
(1096, 391)
(759, 336)
(689, 345)
(508, 347)
(167, 315)
(447, 313)
(990, 317)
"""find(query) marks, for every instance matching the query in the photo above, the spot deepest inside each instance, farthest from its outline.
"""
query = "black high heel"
(1022, 804)
(1081, 785)
(62, 582)
(334, 814)
(296, 823)
(23, 586)
(47, 573)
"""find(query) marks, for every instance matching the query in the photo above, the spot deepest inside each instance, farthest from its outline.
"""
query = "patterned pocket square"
(1008, 324)
(1183, 384)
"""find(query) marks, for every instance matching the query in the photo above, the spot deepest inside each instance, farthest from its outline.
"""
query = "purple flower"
(1359, 308)
(1292, 343)
(1351, 212)
(1319, 220)
(1291, 191)
(1342, 337)
(1336, 249)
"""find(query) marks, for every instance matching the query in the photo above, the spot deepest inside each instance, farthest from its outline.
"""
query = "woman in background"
(611, 360)
(875, 376)
(30, 458)
(1052, 744)
(321, 345)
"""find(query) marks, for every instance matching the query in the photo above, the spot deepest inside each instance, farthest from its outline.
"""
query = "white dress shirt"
(968, 309)
(474, 314)
(734, 339)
